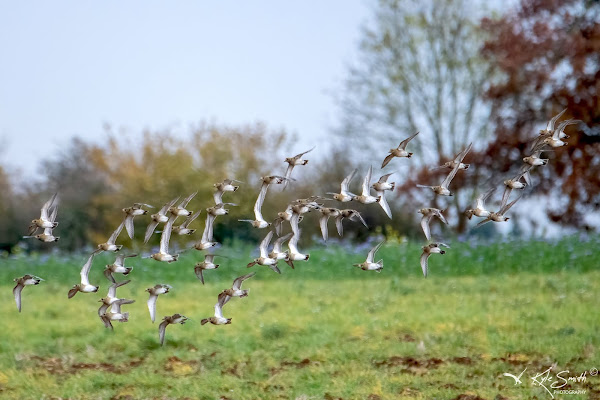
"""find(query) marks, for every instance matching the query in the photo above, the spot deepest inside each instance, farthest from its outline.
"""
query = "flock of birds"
(110, 309)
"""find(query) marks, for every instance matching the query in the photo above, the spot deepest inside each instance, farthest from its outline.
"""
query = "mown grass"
(324, 330)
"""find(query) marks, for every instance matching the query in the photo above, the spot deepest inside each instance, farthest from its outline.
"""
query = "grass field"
(323, 331)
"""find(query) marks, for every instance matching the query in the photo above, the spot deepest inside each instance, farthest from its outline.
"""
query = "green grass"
(324, 330)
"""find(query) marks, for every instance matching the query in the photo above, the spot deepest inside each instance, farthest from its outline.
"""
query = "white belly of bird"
(481, 213)
(366, 199)
(30, 282)
(163, 257)
(109, 247)
(297, 256)
(47, 238)
(45, 224)
(266, 261)
(399, 152)
(371, 266)
(277, 256)
(442, 191)
(382, 186)
(89, 289)
(137, 212)
(221, 321)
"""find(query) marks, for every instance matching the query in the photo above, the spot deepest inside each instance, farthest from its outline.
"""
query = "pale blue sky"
(68, 67)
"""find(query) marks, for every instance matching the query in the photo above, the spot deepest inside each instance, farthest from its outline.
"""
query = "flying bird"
(399, 151)
(160, 217)
(293, 253)
(208, 263)
(345, 195)
(131, 212)
(47, 236)
(168, 320)
(428, 214)
(44, 221)
(499, 216)
(432, 248)
(264, 258)
(442, 189)
(218, 319)
(365, 197)
(222, 187)
(292, 162)
(326, 213)
(236, 289)
(118, 267)
(165, 237)
(352, 215)
(110, 244)
(25, 280)
(85, 286)
(155, 291)
(370, 264)
(207, 241)
(277, 253)
(180, 209)
(184, 229)
(259, 221)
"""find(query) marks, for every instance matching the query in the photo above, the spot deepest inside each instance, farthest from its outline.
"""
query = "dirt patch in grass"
(468, 396)
(58, 366)
(178, 366)
(297, 364)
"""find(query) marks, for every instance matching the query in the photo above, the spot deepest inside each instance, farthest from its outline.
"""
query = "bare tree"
(419, 70)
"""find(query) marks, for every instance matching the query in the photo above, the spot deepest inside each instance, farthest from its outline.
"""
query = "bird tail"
(228, 321)
(204, 321)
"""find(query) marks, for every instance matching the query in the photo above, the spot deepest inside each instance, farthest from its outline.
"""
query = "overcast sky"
(69, 67)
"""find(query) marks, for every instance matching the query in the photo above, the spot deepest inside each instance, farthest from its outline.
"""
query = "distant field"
(323, 331)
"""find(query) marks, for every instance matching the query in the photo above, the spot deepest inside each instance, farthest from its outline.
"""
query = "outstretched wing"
(371, 254)
(17, 293)
(190, 219)
(277, 245)
(162, 328)
(113, 238)
(185, 201)
(346, 182)
(384, 204)
(367, 182)
(425, 263)
(459, 158)
(339, 225)
(152, 306)
(259, 202)
(46, 207)
(129, 227)
(405, 141)
(323, 224)
(552, 122)
(425, 226)
(387, 160)
(237, 283)
(85, 271)
(165, 236)
(265, 244)
(150, 230)
(385, 177)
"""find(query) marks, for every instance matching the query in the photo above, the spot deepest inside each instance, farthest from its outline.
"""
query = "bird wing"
(425, 262)
(507, 207)
(102, 310)
(425, 225)
(17, 293)
(259, 202)
(385, 177)
(85, 271)
(185, 201)
(505, 196)
(168, 205)
(371, 254)
(162, 328)
(403, 143)
(106, 320)
(207, 235)
(339, 225)
(288, 173)
(459, 158)
(439, 214)
(150, 230)
(152, 306)
(108, 274)
(218, 196)
(355, 215)
(550, 126)
(264, 252)
(129, 227)
(237, 283)
(277, 245)
(53, 215)
(113, 238)
(299, 156)
(480, 201)
(367, 182)
(199, 274)
(190, 219)
(384, 204)
(112, 290)
(346, 182)
(165, 236)
(561, 127)
(387, 160)
(294, 222)
(293, 243)
(46, 207)
(323, 224)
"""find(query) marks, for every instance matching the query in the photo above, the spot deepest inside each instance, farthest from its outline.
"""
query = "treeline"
(95, 180)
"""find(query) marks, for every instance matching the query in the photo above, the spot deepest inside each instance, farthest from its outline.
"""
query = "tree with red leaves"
(549, 54)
